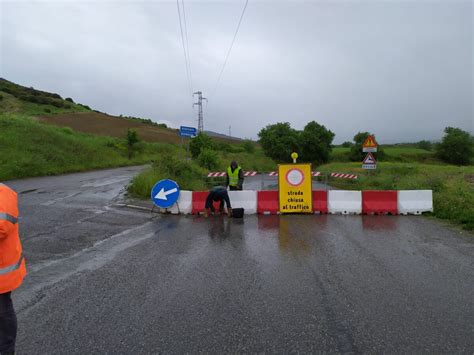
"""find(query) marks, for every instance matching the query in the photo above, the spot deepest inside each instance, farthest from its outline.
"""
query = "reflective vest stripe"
(8, 217)
(11, 268)
(233, 176)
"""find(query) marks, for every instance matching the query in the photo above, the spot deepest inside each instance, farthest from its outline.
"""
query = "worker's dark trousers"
(8, 324)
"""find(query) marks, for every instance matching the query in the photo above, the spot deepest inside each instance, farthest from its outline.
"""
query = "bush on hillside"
(208, 159)
(58, 104)
(200, 142)
(248, 146)
(457, 147)
(132, 140)
(69, 99)
(347, 144)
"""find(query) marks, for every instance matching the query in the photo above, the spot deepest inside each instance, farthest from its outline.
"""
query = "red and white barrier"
(268, 202)
(343, 176)
(275, 173)
(313, 173)
(185, 203)
(415, 201)
(320, 201)
(223, 173)
(345, 202)
(218, 174)
(332, 201)
(246, 199)
(379, 202)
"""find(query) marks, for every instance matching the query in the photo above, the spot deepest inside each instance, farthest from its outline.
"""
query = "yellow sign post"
(295, 188)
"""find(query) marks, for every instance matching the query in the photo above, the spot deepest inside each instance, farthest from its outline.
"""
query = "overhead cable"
(184, 50)
(187, 45)
(230, 48)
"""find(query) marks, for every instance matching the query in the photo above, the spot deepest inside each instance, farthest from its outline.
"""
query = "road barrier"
(199, 202)
(379, 202)
(345, 202)
(267, 202)
(246, 199)
(415, 201)
(185, 203)
(332, 201)
(343, 176)
(223, 173)
(320, 201)
(313, 173)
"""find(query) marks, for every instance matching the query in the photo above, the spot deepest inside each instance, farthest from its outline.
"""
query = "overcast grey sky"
(400, 69)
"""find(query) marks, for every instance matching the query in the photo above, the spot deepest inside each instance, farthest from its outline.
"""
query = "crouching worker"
(218, 193)
(12, 267)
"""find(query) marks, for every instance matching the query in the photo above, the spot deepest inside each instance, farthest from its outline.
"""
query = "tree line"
(314, 144)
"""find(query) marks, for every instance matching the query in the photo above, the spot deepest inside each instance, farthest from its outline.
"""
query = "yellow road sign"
(295, 188)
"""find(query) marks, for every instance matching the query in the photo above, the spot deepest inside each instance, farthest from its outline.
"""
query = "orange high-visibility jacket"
(12, 262)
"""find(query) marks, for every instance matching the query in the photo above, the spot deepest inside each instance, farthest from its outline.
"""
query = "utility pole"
(200, 116)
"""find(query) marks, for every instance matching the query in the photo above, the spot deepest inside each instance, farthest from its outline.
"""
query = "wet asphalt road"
(105, 279)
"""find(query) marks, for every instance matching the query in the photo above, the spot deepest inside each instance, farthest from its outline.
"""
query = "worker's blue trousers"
(8, 324)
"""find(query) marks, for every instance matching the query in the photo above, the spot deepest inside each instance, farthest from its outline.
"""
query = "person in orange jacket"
(12, 267)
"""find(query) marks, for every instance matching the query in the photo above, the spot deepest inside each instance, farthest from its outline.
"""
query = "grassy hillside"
(32, 148)
(28, 101)
(51, 108)
(42, 134)
(105, 125)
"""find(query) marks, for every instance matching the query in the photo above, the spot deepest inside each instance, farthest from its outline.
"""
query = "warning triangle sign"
(370, 142)
(369, 159)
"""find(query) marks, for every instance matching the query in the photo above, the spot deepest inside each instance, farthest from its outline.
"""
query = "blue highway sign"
(187, 131)
(165, 193)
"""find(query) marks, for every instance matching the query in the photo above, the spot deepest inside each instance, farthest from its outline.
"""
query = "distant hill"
(53, 109)
(220, 135)
(15, 98)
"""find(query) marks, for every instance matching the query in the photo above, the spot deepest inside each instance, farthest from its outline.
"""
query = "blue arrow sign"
(187, 131)
(165, 193)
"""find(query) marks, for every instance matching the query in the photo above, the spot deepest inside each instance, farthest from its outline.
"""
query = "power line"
(187, 44)
(184, 50)
(230, 48)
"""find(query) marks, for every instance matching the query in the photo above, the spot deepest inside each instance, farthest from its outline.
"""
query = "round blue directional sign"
(165, 193)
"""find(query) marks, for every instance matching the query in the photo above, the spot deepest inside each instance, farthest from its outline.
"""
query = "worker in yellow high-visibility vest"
(234, 176)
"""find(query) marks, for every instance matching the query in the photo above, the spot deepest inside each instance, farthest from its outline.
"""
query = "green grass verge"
(392, 154)
(453, 186)
(174, 166)
(31, 148)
